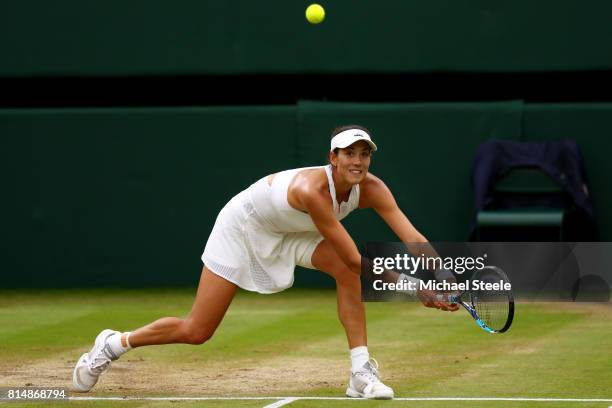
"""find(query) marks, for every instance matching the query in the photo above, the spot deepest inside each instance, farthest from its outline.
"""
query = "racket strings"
(493, 306)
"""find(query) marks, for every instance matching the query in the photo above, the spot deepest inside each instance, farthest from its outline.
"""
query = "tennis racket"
(493, 310)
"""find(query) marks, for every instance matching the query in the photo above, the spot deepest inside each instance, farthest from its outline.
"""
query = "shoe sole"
(351, 393)
(75, 381)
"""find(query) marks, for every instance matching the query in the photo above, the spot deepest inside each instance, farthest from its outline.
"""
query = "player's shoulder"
(310, 185)
(371, 182)
(311, 180)
(373, 192)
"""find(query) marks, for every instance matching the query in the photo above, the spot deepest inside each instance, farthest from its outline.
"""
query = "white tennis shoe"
(366, 383)
(91, 365)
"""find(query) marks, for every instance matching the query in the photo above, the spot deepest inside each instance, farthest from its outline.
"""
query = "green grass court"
(292, 345)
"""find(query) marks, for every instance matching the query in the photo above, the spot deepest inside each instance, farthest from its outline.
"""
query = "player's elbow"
(420, 238)
(354, 264)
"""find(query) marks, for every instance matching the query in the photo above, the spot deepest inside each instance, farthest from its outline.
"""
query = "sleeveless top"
(271, 203)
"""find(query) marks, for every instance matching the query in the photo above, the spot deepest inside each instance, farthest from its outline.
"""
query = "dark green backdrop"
(128, 196)
(158, 37)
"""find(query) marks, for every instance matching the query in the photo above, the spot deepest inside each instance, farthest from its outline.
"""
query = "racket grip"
(447, 298)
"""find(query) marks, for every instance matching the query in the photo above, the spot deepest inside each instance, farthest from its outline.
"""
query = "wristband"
(444, 275)
(405, 278)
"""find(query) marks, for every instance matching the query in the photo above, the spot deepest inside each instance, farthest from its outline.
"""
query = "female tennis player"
(283, 220)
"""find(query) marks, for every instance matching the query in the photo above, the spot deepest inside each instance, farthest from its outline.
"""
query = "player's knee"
(197, 335)
(201, 338)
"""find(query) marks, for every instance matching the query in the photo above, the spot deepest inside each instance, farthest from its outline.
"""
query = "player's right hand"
(430, 298)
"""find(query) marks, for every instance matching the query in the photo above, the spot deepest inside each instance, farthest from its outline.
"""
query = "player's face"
(353, 162)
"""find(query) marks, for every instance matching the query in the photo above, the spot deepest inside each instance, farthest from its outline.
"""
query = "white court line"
(288, 400)
(282, 402)
(509, 399)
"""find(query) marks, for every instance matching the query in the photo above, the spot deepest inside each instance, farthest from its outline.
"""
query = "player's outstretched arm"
(376, 195)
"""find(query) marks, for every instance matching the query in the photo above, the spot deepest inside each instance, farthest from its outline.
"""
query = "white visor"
(348, 137)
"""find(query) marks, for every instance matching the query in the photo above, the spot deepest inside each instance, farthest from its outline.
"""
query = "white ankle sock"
(359, 356)
(114, 342)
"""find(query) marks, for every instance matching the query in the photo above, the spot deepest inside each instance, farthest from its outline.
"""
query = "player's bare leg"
(364, 381)
(212, 300)
(351, 310)
(213, 297)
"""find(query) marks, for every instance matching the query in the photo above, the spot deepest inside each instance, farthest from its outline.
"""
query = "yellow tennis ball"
(315, 13)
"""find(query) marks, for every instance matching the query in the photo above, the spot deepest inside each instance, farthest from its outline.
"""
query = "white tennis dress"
(258, 238)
